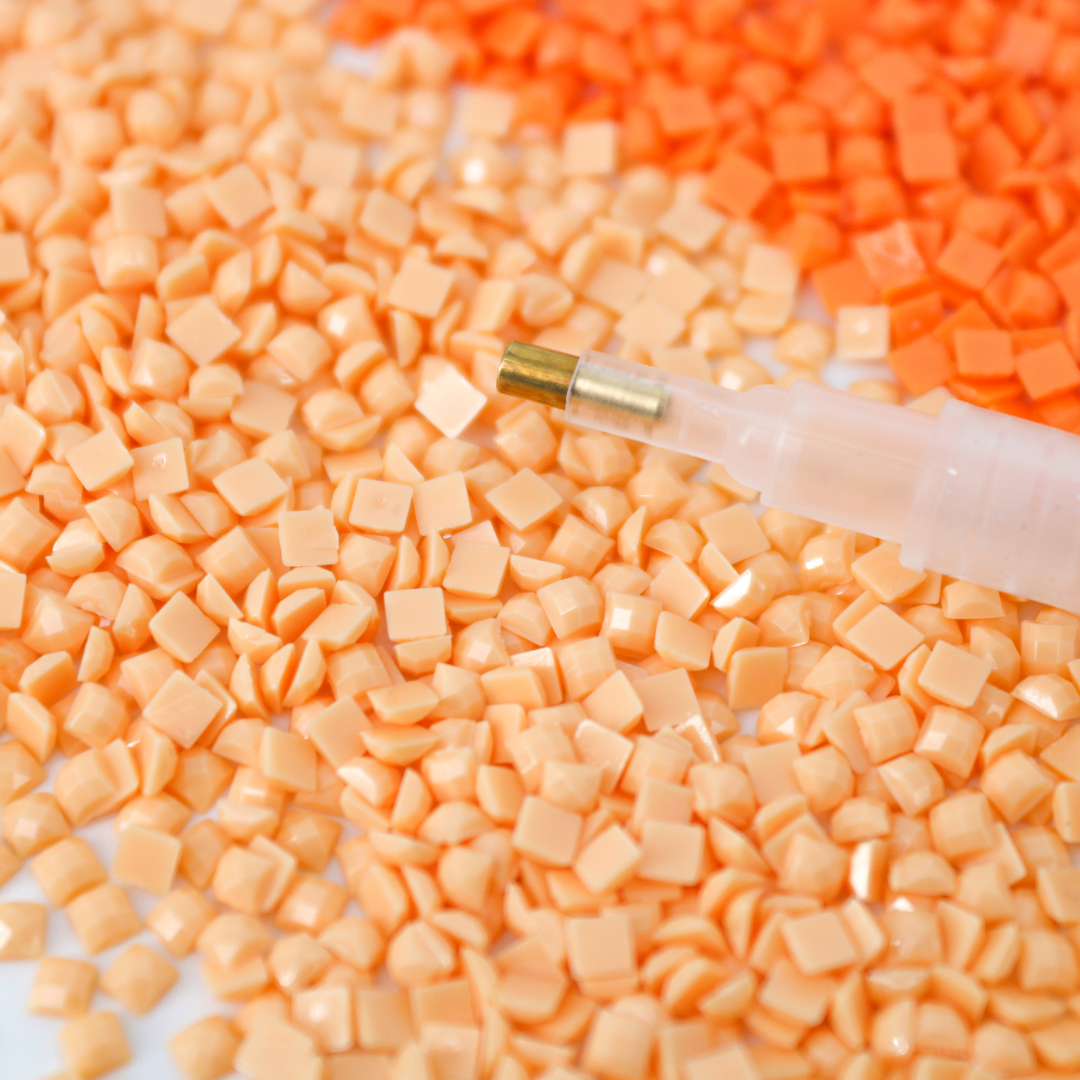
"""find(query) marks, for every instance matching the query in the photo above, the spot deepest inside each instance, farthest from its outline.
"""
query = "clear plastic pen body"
(972, 493)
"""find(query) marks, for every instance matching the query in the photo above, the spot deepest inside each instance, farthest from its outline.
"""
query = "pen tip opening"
(536, 374)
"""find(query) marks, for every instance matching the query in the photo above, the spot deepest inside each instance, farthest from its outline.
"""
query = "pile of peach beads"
(285, 583)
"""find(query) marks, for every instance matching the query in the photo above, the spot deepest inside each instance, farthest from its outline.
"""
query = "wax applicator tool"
(971, 493)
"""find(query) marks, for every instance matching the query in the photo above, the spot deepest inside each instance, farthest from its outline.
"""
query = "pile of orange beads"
(915, 155)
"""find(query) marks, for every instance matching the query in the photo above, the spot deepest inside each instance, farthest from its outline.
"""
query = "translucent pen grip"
(973, 494)
(813, 450)
(998, 503)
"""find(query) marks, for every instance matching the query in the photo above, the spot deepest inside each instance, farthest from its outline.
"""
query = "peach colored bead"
(178, 919)
(182, 709)
(913, 782)
(22, 931)
(1051, 695)
(671, 852)
(232, 940)
(297, 961)
(523, 501)
(1015, 784)
(950, 740)
(310, 904)
(242, 879)
(953, 676)
(755, 675)
(33, 823)
(102, 917)
(146, 859)
(546, 833)
(94, 1044)
(825, 778)
(201, 846)
(138, 978)
(418, 954)
(205, 1050)
(277, 1051)
(1066, 807)
(62, 987)
(573, 606)
(67, 869)
(887, 729)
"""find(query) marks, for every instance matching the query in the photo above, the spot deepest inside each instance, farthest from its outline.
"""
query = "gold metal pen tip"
(536, 374)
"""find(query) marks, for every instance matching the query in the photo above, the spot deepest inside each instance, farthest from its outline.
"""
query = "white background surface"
(29, 1049)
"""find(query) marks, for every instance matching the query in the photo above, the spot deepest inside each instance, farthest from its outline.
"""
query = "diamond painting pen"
(972, 494)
